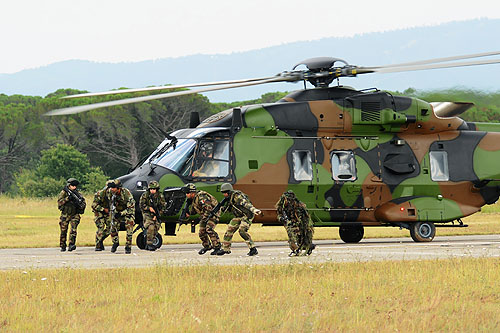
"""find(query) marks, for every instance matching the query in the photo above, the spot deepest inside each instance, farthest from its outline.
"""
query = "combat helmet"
(116, 183)
(189, 187)
(154, 185)
(226, 187)
(73, 181)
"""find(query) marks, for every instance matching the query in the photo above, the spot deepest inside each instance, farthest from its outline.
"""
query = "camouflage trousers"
(241, 223)
(208, 235)
(103, 227)
(129, 226)
(64, 222)
(293, 231)
(151, 226)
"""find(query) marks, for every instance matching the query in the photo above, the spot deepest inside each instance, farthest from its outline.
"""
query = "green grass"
(459, 295)
(35, 223)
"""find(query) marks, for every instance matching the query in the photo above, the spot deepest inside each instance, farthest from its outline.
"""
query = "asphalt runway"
(269, 253)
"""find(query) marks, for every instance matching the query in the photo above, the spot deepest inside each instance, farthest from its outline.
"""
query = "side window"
(302, 165)
(439, 166)
(343, 165)
(212, 159)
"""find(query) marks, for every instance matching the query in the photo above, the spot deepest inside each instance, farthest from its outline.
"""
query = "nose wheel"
(141, 241)
(423, 231)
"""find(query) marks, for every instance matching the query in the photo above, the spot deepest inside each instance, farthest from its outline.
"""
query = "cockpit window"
(343, 165)
(212, 159)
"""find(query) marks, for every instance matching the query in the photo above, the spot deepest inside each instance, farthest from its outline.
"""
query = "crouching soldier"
(122, 209)
(100, 207)
(71, 204)
(152, 203)
(203, 203)
(297, 222)
(244, 212)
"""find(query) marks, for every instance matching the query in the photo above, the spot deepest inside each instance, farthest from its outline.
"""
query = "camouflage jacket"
(124, 201)
(239, 205)
(149, 200)
(100, 202)
(65, 205)
(203, 204)
(291, 210)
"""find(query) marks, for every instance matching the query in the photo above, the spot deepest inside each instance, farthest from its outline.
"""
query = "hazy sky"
(39, 32)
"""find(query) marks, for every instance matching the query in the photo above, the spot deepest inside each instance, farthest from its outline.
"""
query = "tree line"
(106, 142)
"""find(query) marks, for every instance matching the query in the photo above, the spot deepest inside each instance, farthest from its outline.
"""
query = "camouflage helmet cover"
(116, 183)
(226, 187)
(189, 187)
(153, 185)
(73, 181)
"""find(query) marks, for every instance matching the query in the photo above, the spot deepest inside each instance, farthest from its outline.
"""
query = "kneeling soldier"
(244, 213)
(100, 207)
(122, 208)
(203, 204)
(152, 203)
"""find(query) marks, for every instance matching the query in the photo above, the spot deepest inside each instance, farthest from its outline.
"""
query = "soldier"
(122, 209)
(203, 203)
(100, 207)
(244, 213)
(295, 217)
(71, 204)
(152, 203)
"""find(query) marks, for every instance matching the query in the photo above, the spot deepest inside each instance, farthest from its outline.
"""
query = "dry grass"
(441, 295)
(34, 223)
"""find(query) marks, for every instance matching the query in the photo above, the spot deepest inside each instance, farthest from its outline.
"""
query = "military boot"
(99, 246)
(63, 248)
(71, 247)
(222, 252)
(114, 247)
(311, 248)
(214, 252)
(128, 250)
(204, 250)
(253, 251)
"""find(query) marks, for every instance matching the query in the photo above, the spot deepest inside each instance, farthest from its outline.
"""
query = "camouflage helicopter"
(357, 158)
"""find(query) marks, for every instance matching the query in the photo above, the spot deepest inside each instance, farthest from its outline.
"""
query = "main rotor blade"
(88, 107)
(363, 70)
(133, 90)
(446, 59)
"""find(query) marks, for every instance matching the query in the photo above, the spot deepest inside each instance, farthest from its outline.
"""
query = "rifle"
(112, 210)
(218, 207)
(77, 199)
(182, 216)
(153, 205)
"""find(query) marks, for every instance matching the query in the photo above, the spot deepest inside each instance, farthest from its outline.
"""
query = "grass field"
(417, 296)
(34, 223)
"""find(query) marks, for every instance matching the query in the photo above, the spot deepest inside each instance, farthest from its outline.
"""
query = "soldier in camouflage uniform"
(203, 203)
(244, 213)
(299, 227)
(152, 203)
(70, 215)
(124, 211)
(100, 207)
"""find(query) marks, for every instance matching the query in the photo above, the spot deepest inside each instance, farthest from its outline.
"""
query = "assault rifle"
(77, 199)
(218, 207)
(156, 212)
(112, 210)
(182, 216)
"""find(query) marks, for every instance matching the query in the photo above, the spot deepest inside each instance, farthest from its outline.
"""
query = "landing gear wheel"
(141, 241)
(351, 234)
(157, 241)
(422, 231)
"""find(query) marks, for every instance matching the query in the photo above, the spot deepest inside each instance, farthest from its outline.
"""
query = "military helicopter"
(357, 158)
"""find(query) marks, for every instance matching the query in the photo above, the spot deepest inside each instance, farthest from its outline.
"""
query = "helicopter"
(356, 158)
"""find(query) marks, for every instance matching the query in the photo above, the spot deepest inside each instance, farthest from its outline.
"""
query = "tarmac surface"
(269, 253)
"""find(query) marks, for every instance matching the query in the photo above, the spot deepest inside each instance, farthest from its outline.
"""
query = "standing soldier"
(295, 217)
(203, 203)
(152, 203)
(71, 204)
(244, 213)
(122, 209)
(100, 207)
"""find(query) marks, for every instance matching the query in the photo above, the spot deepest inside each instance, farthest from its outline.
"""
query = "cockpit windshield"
(177, 159)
